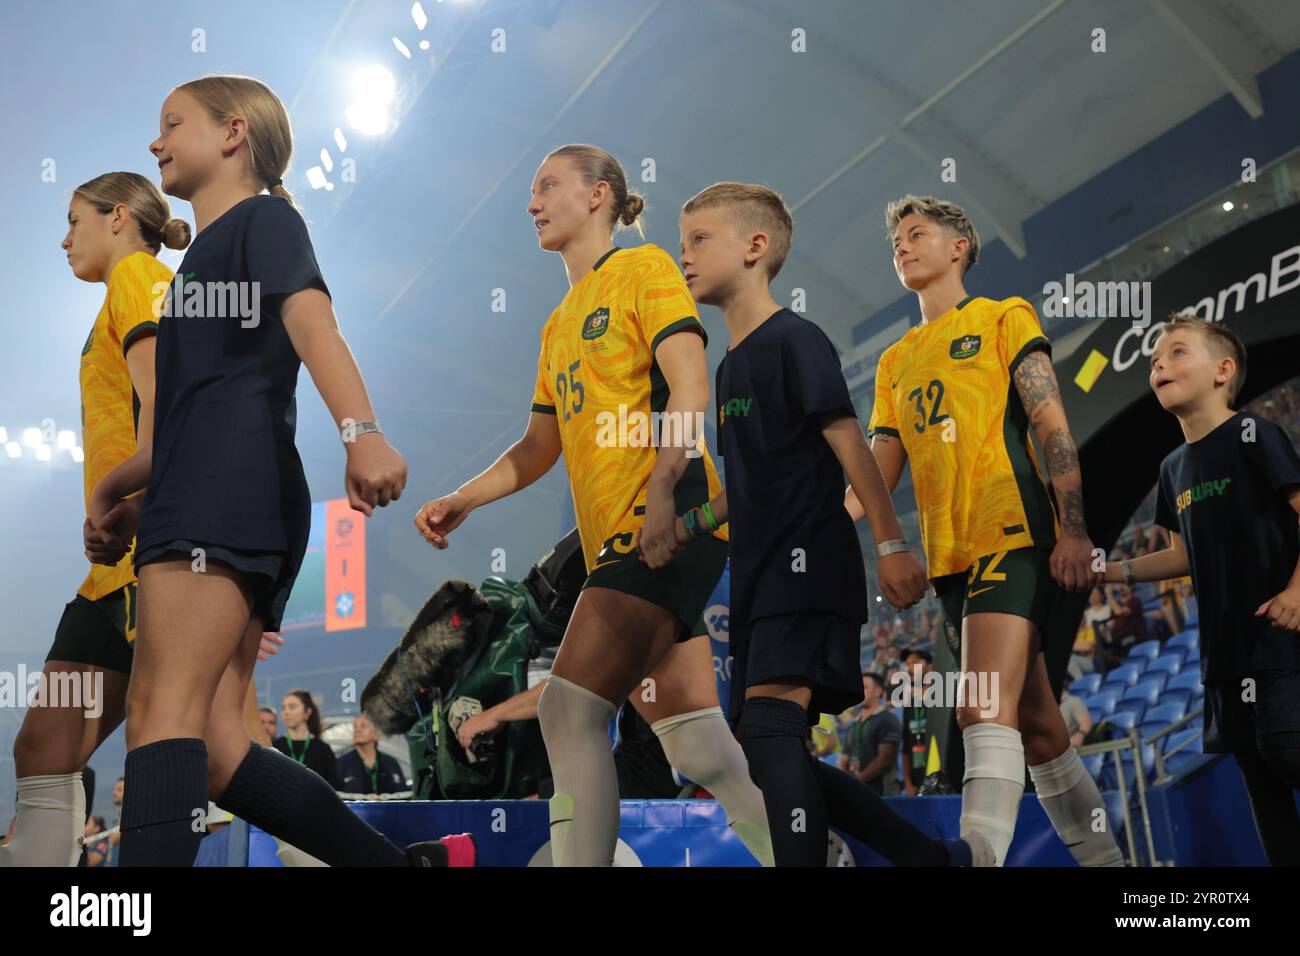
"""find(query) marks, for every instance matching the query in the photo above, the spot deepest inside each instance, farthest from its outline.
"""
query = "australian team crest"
(965, 347)
(594, 326)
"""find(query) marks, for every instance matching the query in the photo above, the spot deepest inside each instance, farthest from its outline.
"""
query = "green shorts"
(1015, 582)
(100, 632)
(682, 587)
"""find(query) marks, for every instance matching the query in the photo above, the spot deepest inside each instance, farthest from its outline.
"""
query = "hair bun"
(632, 208)
(176, 234)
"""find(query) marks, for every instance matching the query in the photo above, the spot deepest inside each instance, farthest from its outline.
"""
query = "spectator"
(915, 720)
(301, 740)
(1128, 625)
(97, 851)
(119, 790)
(871, 740)
(363, 769)
(1077, 719)
(270, 724)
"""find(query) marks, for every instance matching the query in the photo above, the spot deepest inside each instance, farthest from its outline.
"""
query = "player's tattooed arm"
(1041, 397)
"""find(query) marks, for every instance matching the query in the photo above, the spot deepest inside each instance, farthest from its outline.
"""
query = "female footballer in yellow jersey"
(957, 396)
(117, 223)
(624, 350)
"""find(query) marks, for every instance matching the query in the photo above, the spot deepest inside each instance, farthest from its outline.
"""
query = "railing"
(1132, 742)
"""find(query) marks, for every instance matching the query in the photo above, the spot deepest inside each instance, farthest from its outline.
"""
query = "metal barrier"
(1133, 743)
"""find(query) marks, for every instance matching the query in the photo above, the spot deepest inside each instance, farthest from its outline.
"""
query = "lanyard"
(302, 759)
(373, 773)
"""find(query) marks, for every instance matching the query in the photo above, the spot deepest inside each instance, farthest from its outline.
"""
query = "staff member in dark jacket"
(301, 741)
(363, 769)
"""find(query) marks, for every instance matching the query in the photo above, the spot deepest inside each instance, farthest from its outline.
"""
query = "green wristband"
(708, 516)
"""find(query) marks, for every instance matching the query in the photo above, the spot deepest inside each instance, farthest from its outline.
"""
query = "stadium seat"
(1169, 663)
(1182, 696)
(1126, 675)
(1188, 678)
(1121, 719)
(1148, 649)
(1093, 765)
(1177, 760)
(1188, 639)
(1147, 692)
(1193, 620)
(1102, 703)
(1165, 711)
(1190, 736)
(1135, 706)
(1086, 686)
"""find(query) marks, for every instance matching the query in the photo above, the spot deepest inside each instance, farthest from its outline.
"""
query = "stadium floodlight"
(66, 440)
(77, 454)
(31, 437)
(43, 453)
(373, 89)
(13, 449)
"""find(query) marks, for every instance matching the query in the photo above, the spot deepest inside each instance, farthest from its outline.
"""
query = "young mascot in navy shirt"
(225, 520)
(1229, 499)
(788, 435)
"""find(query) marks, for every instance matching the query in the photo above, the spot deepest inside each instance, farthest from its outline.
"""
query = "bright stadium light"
(77, 454)
(66, 440)
(31, 437)
(1227, 206)
(373, 90)
(43, 453)
(418, 15)
(13, 449)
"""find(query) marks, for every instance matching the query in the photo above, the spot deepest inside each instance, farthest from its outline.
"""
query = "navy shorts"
(273, 572)
(809, 647)
(682, 587)
(100, 633)
(1271, 721)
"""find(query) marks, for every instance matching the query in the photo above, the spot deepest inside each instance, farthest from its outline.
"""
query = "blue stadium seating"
(1165, 712)
(1086, 686)
(1102, 703)
(1126, 675)
(1188, 679)
(1171, 664)
(1148, 649)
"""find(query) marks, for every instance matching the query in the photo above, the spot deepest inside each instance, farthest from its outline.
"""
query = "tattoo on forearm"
(1036, 384)
(1072, 513)
(1061, 455)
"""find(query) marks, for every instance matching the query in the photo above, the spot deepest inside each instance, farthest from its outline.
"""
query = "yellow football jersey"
(109, 405)
(945, 390)
(598, 375)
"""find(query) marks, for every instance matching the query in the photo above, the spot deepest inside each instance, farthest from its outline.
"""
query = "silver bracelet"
(885, 548)
(351, 430)
(1129, 577)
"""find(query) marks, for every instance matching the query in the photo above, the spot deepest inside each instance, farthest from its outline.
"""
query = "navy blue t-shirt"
(1224, 495)
(225, 470)
(793, 545)
(353, 777)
